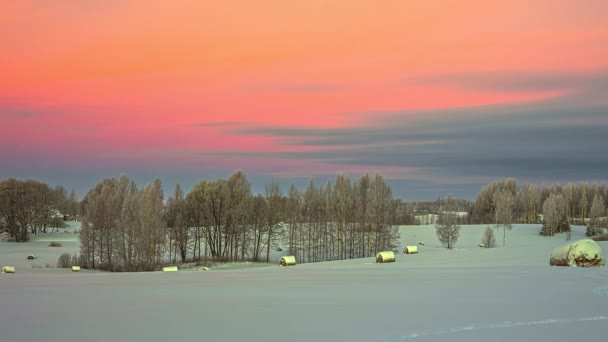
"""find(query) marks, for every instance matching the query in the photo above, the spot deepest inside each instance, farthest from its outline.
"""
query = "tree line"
(129, 229)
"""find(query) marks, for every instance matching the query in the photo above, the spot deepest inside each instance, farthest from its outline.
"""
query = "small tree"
(447, 227)
(488, 240)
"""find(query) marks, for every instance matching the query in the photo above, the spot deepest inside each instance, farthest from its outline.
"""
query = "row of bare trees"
(29, 206)
(129, 229)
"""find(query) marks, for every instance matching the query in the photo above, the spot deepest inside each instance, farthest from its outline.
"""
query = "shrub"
(54, 244)
(65, 261)
(488, 240)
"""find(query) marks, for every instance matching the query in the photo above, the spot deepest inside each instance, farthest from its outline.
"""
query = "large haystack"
(582, 253)
(75, 268)
(384, 257)
(288, 261)
(170, 269)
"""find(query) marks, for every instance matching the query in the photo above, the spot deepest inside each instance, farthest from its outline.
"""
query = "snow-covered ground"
(466, 294)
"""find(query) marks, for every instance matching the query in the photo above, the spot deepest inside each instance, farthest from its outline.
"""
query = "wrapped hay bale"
(288, 261)
(75, 268)
(384, 257)
(582, 253)
(410, 250)
(31, 257)
(8, 269)
(170, 269)
(203, 269)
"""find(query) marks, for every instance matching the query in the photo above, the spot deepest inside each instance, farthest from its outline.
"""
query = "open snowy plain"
(466, 294)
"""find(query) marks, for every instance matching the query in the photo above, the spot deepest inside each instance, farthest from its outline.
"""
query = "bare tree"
(272, 215)
(504, 201)
(447, 227)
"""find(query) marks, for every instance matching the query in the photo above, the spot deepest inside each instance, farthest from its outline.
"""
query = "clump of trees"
(447, 227)
(28, 207)
(556, 206)
(129, 229)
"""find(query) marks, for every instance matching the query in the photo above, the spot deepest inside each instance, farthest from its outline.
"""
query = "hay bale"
(203, 269)
(410, 250)
(31, 257)
(170, 269)
(421, 243)
(481, 245)
(8, 269)
(581, 253)
(288, 261)
(384, 257)
(75, 268)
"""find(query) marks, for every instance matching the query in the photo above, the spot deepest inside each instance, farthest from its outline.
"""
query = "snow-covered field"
(466, 294)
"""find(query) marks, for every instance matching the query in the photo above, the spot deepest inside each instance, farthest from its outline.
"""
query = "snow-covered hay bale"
(203, 268)
(8, 269)
(75, 268)
(384, 257)
(31, 257)
(170, 269)
(410, 250)
(582, 253)
(421, 243)
(288, 261)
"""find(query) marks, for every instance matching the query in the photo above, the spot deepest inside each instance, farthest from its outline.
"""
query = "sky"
(439, 97)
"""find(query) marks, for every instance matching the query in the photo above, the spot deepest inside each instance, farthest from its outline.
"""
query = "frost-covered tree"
(596, 216)
(554, 212)
(447, 227)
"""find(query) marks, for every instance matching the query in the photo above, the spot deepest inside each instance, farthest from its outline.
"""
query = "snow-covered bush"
(64, 261)
(488, 240)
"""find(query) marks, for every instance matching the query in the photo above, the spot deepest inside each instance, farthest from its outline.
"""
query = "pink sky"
(168, 85)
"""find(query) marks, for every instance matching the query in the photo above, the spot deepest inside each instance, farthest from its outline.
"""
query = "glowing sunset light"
(428, 93)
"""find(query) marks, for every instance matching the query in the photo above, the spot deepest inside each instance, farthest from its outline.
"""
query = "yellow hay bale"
(288, 261)
(31, 257)
(203, 268)
(582, 253)
(8, 269)
(410, 250)
(75, 268)
(387, 256)
(170, 269)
